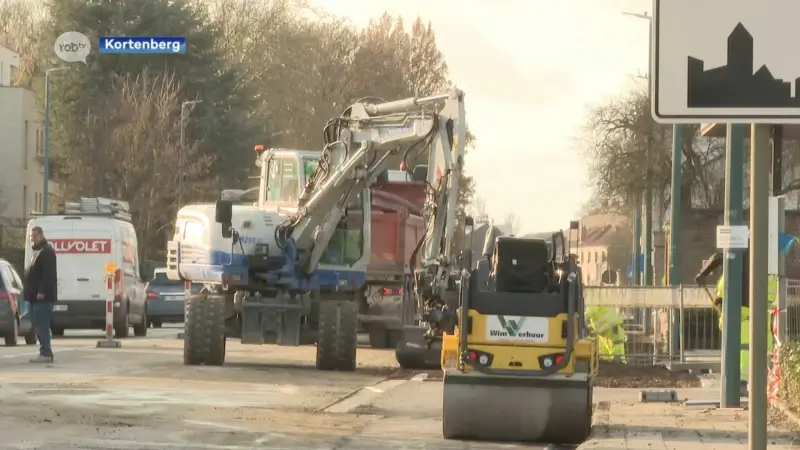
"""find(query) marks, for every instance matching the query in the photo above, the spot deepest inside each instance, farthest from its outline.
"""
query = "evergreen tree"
(221, 123)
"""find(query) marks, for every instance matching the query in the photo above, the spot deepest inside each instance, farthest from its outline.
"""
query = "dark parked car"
(165, 299)
(14, 320)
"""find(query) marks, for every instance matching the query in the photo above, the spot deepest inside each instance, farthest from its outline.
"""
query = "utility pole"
(759, 221)
(637, 242)
(46, 144)
(184, 106)
(732, 268)
(647, 199)
(675, 232)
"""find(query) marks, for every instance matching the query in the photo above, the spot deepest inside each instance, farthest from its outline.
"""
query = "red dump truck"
(397, 228)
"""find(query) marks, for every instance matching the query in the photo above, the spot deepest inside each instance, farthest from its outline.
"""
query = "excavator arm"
(358, 148)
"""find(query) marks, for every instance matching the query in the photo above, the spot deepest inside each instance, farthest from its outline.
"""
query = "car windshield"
(160, 279)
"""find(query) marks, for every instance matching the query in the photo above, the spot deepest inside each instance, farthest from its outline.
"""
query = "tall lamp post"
(184, 106)
(46, 162)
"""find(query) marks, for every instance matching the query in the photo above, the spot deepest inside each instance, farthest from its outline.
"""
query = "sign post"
(109, 341)
(703, 69)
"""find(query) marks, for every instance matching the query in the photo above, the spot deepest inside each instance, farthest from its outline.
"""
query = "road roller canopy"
(524, 266)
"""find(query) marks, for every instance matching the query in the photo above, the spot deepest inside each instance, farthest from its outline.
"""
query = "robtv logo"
(72, 46)
(145, 45)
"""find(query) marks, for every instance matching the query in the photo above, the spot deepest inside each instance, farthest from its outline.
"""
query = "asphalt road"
(142, 397)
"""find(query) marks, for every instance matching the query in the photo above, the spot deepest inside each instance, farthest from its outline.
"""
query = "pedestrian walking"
(41, 290)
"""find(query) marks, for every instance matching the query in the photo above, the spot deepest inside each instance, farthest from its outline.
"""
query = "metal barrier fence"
(666, 325)
(654, 314)
(793, 310)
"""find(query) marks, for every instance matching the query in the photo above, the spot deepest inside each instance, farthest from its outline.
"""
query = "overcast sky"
(530, 69)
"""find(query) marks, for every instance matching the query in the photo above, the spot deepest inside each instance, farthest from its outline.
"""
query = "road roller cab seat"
(518, 352)
(522, 265)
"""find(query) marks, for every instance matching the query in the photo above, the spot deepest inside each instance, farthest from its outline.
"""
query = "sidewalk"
(620, 422)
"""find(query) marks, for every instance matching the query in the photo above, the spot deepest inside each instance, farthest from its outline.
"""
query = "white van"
(86, 236)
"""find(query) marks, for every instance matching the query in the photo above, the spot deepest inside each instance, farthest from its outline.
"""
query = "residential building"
(603, 249)
(21, 149)
(8, 61)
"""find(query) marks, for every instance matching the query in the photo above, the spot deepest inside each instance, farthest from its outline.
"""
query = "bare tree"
(479, 206)
(133, 153)
(629, 152)
(21, 30)
(511, 223)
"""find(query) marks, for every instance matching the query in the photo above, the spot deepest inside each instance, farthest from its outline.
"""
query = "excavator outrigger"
(287, 269)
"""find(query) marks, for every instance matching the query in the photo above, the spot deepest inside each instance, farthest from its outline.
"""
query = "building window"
(37, 202)
(25, 202)
(39, 142)
(604, 256)
(25, 146)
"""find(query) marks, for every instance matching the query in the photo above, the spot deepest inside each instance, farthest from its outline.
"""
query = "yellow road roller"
(520, 365)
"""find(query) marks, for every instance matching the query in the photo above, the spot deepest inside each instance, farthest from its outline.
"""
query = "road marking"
(147, 445)
(56, 351)
(361, 396)
(221, 426)
(419, 377)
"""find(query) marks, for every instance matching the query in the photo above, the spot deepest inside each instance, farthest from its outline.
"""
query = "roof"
(599, 236)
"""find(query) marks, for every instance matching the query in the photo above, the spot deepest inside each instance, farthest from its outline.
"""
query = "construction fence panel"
(653, 317)
(793, 310)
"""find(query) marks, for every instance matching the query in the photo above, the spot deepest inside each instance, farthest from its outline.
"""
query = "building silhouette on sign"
(735, 85)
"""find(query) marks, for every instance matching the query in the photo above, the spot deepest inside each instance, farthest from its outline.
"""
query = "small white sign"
(60, 308)
(174, 297)
(732, 237)
(517, 329)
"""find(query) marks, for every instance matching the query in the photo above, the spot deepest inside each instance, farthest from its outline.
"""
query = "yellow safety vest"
(602, 318)
(772, 288)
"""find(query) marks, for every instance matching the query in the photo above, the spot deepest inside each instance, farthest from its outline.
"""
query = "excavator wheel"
(519, 409)
(204, 336)
(414, 353)
(337, 336)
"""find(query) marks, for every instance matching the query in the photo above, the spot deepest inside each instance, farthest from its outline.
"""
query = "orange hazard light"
(258, 148)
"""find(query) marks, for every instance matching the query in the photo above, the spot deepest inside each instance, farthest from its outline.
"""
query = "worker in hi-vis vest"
(606, 323)
(772, 291)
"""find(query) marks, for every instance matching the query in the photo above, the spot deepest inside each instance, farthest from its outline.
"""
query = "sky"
(530, 70)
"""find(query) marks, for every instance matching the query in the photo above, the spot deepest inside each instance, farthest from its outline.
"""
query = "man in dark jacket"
(41, 290)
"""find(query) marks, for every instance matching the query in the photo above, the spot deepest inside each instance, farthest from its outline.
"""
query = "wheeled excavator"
(288, 268)
(520, 364)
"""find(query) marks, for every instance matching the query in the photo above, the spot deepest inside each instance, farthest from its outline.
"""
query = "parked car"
(13, 321)
(165, 298)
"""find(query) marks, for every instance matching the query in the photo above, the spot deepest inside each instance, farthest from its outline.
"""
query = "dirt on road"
(613, 375)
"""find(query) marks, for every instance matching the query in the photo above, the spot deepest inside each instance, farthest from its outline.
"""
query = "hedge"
(789, 388)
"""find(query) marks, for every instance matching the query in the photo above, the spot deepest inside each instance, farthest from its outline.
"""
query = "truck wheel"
(11, 337)
(337, 336)
(378, 337)
(204, 331)
(121, 328)
(141, 329)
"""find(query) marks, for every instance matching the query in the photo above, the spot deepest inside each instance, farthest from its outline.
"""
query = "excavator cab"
(520, 350)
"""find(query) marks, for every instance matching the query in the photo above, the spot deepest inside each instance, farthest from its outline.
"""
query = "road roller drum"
(480, 407)
(520, 365)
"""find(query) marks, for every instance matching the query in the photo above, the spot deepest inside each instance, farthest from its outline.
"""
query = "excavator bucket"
(519, 367)
(415, 353)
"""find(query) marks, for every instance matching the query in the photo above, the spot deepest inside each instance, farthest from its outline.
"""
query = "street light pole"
(46, 156)
(184, 105)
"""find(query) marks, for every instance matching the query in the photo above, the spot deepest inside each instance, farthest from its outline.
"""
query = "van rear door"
(83, 251)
